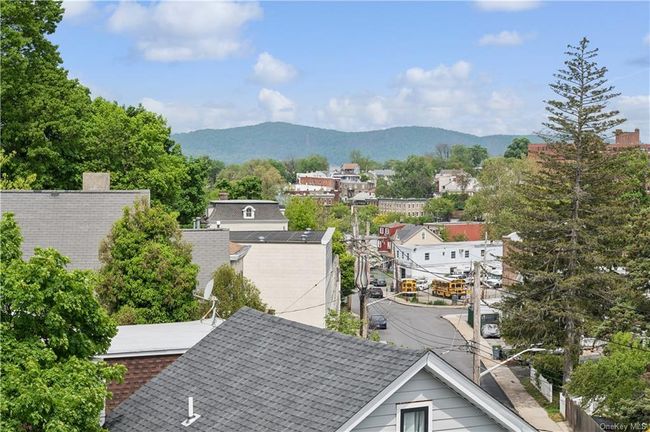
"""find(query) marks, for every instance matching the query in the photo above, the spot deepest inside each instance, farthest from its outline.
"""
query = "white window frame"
(252, 210)
(426, 256)
(409, 405)
(453, 254)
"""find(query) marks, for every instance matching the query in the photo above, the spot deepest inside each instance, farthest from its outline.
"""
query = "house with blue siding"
(258, 372)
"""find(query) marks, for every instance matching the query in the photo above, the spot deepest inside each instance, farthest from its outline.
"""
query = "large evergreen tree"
(573, 218)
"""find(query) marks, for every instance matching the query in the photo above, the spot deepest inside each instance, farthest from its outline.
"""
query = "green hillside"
(285, 141)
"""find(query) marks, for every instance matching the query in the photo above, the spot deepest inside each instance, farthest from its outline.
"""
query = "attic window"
(414, 417)
(249, 212)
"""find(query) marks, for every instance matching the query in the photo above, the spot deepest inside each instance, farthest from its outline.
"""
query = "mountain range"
(283, 141)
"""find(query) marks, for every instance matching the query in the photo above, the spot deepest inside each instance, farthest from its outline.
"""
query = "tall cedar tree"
(147, 275)
(573, 219)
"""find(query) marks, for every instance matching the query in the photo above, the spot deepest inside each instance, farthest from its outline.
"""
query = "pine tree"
(573, 221)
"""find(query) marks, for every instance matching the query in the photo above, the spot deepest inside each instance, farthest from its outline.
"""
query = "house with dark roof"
(257, 372)
(296, 272)
(246, 215)
(415, 235)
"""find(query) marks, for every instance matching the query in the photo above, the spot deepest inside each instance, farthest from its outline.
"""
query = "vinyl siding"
(451, 412)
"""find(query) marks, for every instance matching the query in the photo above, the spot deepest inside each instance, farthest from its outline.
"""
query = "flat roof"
(158, 339)
(314, 237)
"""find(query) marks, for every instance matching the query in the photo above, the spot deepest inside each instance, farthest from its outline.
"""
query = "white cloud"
(507, 5)
(79, 11)
(271, 70)
(185, 117)
(276, 105)
(636, 109)
(446, 96)
(178, 31)
(646, 39)
(505, 38)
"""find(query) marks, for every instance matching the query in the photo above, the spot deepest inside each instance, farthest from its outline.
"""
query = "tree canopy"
(51, 327)
(233, 291)
(518, 148)
(303, 213)
(147, 275)
(439, 209)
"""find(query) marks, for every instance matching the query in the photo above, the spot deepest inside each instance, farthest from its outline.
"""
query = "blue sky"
(481, 67)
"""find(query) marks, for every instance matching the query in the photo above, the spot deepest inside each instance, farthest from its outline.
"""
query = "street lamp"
(488, 370)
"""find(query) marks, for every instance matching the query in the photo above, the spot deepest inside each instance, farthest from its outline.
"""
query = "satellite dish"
(207, 291)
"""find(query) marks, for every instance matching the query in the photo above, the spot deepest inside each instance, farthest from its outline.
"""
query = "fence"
(577, 418)
(541, 384)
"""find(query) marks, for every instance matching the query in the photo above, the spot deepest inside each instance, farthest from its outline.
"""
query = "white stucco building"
(295, 271)
(455, 181)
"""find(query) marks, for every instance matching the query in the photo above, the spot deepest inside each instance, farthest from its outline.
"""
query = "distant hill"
(285, 140)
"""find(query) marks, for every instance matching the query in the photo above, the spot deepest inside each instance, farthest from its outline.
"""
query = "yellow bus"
(447, 288)
(408, 287)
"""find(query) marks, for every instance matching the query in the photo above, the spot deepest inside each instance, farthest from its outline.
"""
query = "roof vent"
(191, 416)
(261, 238)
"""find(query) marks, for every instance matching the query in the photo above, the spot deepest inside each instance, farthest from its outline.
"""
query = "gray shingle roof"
(276, 236)
(72, 222)
(233, 210)
(263, 373)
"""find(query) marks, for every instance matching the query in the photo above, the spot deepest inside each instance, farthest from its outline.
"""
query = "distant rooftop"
(157, 339)
(315, 237)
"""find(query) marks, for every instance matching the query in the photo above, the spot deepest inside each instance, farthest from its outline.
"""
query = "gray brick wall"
(73, 222)
(209, 251)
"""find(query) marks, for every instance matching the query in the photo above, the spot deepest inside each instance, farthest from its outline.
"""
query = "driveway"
(424, 328)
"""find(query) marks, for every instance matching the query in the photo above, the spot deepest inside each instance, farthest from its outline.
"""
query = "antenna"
(207, 296)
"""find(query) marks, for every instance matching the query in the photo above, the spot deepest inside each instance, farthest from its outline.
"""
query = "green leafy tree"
(439, 208)
(303, 213)
(7, 183)
(365, 163)
(518, 148)
(51, 327)
(271, 180)
(311, 163)
(147, 275)
(413, 178)
(233, 291)
(249, 187)
(573, 218)
(615, 380)
(499, 201)
(344, 322)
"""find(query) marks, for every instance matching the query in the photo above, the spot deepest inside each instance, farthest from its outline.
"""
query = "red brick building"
(386, 232)
(146, 350)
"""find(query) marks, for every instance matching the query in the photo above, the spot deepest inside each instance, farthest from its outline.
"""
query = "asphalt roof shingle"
(233, 210)
(261, 372)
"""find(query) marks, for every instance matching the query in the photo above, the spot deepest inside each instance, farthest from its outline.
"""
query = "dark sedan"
(375, 293)
(377, 322)
(380, 282)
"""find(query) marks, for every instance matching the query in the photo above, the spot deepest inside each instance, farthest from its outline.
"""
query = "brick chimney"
(628, 138)
(223, 196)
(96, 182)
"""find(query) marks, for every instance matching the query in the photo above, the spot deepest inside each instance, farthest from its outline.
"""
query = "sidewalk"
(524, 403)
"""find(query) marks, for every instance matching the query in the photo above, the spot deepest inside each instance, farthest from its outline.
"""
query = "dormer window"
(249, 212)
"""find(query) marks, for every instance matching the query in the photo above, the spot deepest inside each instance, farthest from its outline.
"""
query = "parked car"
(375, 292)
(380, 282)
(490, 331)
(377, 322)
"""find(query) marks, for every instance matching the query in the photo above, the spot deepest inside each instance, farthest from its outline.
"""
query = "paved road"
(419, 327)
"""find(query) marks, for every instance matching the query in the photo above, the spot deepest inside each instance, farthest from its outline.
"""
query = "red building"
(385, 234)
(460, 231)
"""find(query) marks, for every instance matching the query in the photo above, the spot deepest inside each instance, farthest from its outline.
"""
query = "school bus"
(408, 287)
(447, 288)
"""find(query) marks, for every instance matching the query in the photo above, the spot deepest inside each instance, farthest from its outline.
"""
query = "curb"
(420, 305)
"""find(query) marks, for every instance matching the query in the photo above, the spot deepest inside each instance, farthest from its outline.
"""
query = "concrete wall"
(209, 251)
(72, 222)
(292, 277)
(451, 412)
(424, 237)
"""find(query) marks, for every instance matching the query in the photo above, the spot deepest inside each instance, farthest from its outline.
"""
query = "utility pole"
(476, 336)
(362, 269)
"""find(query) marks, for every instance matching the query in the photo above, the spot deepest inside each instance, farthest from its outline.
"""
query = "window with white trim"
(466, 254)
(426, 256)
(249, 212)
(414, 416)
(453, 254)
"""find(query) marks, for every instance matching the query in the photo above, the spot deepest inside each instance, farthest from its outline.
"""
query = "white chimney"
(96, 182)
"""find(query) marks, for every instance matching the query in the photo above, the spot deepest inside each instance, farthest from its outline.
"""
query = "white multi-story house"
(448, 258)
(296, 272)
(455, 181)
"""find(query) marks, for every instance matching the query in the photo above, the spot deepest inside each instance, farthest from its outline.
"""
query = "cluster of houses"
(347, 184)
(256, 371)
